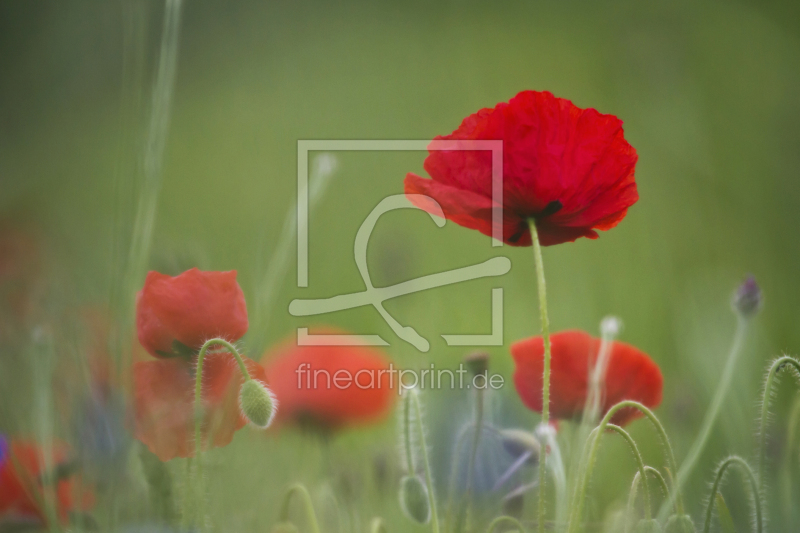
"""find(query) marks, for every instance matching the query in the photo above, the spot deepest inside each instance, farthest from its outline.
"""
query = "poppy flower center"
(550, 209)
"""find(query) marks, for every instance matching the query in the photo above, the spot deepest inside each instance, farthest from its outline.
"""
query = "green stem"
(426, 462)
(308, 506)
(587, 464)
(648, 513)
(711, 415)
(198, 387)
(635, 488)
(786, 471)
(776, 367)
(505, 519)
(407, 436)
(753, 487)
(473, 455)
(542, 288)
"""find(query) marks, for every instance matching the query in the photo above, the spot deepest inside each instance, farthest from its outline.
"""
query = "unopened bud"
(648, 526)
(679, 523)
(258, 404)
(518, 442)
(747, 299)
(414, 499)
(477, 363)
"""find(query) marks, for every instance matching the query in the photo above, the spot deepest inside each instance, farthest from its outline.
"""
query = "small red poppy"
(630, 375)
(22, 469)
(568, 168)
(163, 400)
(330, 387)
(189, 308)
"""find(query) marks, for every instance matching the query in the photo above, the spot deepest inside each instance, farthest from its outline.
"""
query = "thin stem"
(711, 415)
(588, 460)
(426, 462)
(407, 437)
(542, 289)
(635, 489)
(776, 367)
(786, 471)
(308, 506)
(198, 386)
(738, 461)
(648, 513)
(505, 519)
(473, 455)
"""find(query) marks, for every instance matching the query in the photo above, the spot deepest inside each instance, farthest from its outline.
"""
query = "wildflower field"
(352, 267)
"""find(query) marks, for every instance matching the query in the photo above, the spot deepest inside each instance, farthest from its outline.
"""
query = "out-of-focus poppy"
(630, 375)
(175, 316)
(176, 313)
(23, 477)
(164, 402)
(569, 169)
(330, 387)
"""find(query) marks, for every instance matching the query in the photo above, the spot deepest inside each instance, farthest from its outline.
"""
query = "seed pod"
(679, 524)
(648, 526)
(258, 404)
(414, 499)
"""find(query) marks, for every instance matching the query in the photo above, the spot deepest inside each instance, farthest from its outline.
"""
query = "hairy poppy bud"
(679, 524)
(648, 526)
(518, 442)
(414, 499)
(258, 403)
(747, 299)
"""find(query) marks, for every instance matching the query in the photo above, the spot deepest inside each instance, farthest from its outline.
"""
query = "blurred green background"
(708, 92)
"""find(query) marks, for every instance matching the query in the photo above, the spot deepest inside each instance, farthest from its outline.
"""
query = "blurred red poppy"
(163, 400)
(175, 313)
(23, 476)
(330, 387)
(568, 168)
(630, 375)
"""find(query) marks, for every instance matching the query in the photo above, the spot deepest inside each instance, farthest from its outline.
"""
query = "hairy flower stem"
(635, 489)
(473, 455)
(308, 506)
(198, 385)
(748, 472)
(537, 258)
(711, 415)
(776, 367)
(425, 461)
(592, 445)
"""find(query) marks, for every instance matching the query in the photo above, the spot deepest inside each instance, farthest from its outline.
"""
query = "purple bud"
(747, 299)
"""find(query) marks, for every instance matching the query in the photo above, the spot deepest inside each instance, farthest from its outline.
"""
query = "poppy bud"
(747, 299)
(648, 526)
(518, 442)
(679, 524)
(258, 404)
(477, 363)
(414, 499)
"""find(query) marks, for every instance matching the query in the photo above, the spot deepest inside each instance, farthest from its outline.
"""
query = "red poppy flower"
(163, 400)
(22, 472)
(304, 380)
(189, 308)
(568, 168)
(630, 375)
